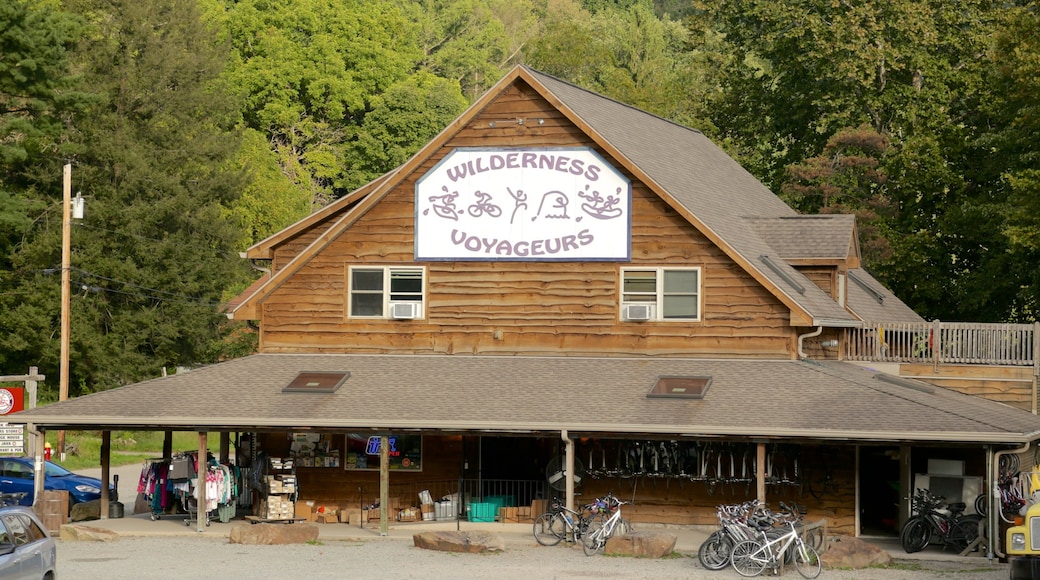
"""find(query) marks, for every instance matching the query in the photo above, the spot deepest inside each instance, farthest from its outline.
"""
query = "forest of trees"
(198, 127)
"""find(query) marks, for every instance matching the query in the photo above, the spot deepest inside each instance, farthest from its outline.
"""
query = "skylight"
(680, 388)
(317, 382)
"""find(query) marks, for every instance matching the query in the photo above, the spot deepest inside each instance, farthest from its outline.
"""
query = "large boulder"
(273, 534)
(641, 545)
(468, 542)
(853, 553)
(91, 510)
(81, 533)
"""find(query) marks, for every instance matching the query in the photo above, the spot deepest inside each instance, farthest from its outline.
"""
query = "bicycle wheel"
(807, 561)
(980, 504)
(594, 538)
(747, 559)
(715, 551)
(814, 538)
(623, 527)
(915, 535)
(775, 534)
(964, 532)
(547, 529)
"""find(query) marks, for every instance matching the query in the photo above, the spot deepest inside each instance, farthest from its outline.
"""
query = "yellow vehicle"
(1023, 546)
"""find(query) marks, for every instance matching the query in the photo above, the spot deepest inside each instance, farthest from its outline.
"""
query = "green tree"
(35, 92)
(156, 256)
(307, 71)
(406, 116)
(1015, 80)
(630, 54)
(801, 71)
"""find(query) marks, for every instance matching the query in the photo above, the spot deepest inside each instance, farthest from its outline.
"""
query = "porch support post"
(760, 473)
(38, 470)
(905, 483)
(167, 444)
(384, 484)
(106, 468)
(200, 484)
(225, 447)
(569, 458)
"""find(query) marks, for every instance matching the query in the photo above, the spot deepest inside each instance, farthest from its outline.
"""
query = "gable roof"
(811, 239)
(689, 172)
(463, 393)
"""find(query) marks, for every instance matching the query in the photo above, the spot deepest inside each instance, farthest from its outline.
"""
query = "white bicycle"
(601, 527)
(750, 557)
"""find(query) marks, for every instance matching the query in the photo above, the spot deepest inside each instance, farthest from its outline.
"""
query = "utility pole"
(66, 292)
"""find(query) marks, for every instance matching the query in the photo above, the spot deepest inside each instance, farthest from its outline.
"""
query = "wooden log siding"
(538, 308)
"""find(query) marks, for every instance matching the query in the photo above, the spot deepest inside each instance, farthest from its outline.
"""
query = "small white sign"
(523, 204)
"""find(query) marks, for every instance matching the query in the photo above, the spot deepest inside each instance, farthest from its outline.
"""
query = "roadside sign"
(12, 439)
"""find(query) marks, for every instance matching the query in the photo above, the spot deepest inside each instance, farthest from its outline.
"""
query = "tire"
(715, 551)
(965, 531)
(980, 504)
(777, 533)
(623, 527)
(807, 562)
(814, 538)
(594, 539)
(915, 535)
(743, 561)
(547, 527)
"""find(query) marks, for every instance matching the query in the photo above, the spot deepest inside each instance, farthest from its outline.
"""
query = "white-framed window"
(661, 294)
(386, 291)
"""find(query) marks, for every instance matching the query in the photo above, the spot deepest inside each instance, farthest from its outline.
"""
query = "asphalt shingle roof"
(747, 398)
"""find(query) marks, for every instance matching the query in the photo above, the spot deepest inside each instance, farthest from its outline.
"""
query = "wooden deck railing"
(944, 343)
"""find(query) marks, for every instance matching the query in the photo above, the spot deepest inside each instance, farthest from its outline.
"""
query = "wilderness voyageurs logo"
(523, 204)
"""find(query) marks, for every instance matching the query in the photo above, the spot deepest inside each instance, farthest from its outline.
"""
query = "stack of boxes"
(276, 507)
(281, 483)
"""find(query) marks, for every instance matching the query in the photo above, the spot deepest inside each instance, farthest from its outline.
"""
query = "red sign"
(12, 400)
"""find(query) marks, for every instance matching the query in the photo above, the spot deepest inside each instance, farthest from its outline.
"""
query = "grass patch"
(83, 448)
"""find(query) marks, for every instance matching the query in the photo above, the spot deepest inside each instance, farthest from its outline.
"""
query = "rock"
(80, 533)
(88, 510)
(853, 553)
(468, 542)
(273, 534)
(641, 545)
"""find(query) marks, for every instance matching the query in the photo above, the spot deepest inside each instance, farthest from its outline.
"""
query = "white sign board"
(12, 439)
(523, 204)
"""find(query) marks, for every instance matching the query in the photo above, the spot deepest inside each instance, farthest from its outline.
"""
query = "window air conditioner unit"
(404, 310)
(638, 312)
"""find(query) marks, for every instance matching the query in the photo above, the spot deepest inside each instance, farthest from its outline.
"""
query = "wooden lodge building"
(561, 292)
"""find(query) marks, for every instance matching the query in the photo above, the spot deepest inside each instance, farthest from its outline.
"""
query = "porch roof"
(541, 395)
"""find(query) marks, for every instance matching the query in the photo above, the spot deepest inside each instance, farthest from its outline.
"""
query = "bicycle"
(751, 557)
(1008, 491)
(933, 523)
(736, 523)
(14, 498)
(561, 522)
(602, 528)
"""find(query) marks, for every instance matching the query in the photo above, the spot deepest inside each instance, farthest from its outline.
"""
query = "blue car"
(16, 477)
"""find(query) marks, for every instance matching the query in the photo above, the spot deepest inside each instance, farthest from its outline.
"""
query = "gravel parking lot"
(134, 558)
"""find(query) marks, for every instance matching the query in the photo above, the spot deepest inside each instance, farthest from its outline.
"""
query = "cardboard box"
(509, 515)
(328, 518)
(305, 509)
(524, 514)
(539, 507)
(347, 514)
